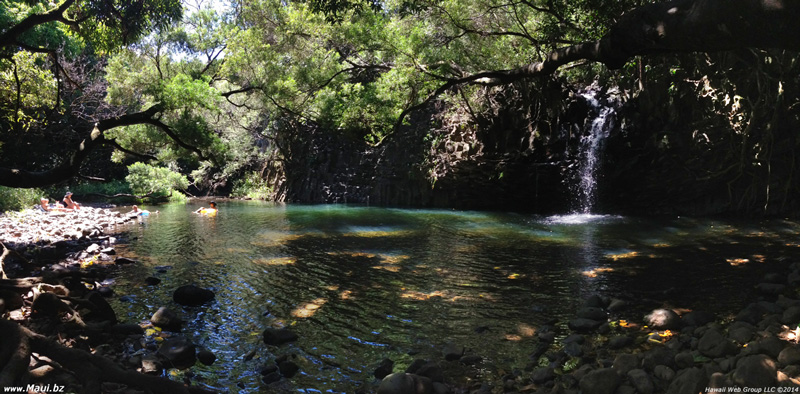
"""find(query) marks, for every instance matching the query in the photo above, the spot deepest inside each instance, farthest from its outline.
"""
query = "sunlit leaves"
(27, 88)
(146, 179)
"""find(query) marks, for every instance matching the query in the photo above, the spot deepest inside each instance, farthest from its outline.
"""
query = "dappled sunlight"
(309, 309)
(376, 232)
(271, 239)
(445, 296)
(275, 261)
(625, 255)
(593, 273)
(737, 262)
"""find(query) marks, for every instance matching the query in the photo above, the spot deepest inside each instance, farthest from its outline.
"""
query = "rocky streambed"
(605, 351)
(58, 329)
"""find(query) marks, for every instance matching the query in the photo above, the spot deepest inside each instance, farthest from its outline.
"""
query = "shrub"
(156, 182)
(252, 186)
(14, 199)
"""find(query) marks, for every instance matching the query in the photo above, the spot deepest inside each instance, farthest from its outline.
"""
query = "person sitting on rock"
(69, 203)
(44, 205)
(211, 211)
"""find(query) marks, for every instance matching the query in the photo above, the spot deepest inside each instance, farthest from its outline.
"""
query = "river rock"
(791, 315)
(789, 356)
(592, 313)
(416, 365)
(125, 260)
(191, 295)
(166, 319)
(641, 381)
(601, 381)
(771, 289)
(714, 345)
(271, 377)
(583, 325)
(180, 352)
(770, 346)
(663, 319)
(431, 371)
(151, 364)
(751, 313)
(127, 329)
(684, 360)
(625, 362)
(404, 383)
(617, 305)
(384, 369)
(596, 301)
(206, 356)
(755, 371)
(664, 373)
(542, 375)
(278, 336)
(698, 318)
(688, 381)
(152, 281)
(288, 368)
(619, 342)
(658, 356)
(741, 332)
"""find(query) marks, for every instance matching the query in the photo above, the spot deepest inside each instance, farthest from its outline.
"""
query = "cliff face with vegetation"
(696, 134)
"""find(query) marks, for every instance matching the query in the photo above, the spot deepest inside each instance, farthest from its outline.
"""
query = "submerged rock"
(278, 336)
(191, 295)
(166, 319)
(180, 352)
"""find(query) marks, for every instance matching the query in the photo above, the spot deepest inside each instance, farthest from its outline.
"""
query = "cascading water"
(591, 149)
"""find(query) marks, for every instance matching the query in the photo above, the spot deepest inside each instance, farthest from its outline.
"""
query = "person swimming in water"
(211, 211)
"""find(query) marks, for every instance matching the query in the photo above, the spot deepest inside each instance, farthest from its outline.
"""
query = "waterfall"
(591, 148)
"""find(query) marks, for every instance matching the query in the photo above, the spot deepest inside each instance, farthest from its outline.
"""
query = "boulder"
(583, 325)
(288, 368)
(543, 375)
(789, 356)
(755, 371)
(619, 342)
(384, 369)
(404, 383)
(601, 381)
(625, 363)
(688, 381)
(206, 356)
(592, 313)
(663, 319)
(191, 295)
(180, 352)
(431, 371)
(714, 345)
(641, 381)
(278, 336)
(166, 319)
(698, 318)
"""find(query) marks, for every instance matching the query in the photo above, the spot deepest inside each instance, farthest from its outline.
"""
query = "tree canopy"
(203, 88)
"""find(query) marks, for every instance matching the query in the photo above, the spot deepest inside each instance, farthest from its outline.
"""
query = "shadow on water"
(361, 284)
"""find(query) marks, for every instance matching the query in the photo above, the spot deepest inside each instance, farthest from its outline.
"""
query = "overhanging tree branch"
(678, 26)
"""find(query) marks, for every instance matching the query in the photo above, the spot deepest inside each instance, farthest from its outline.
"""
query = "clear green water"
(359, 284)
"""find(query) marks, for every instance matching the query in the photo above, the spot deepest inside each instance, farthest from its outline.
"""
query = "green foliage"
(12, 199)
(105, 188)
(251, 185)
(159, 182)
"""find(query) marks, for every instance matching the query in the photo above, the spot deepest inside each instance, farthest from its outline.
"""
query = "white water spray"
(591, 151)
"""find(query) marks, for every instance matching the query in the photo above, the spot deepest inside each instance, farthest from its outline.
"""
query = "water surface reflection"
(360, 284)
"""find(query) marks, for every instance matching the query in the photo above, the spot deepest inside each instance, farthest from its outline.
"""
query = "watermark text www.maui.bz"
(36, 388)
